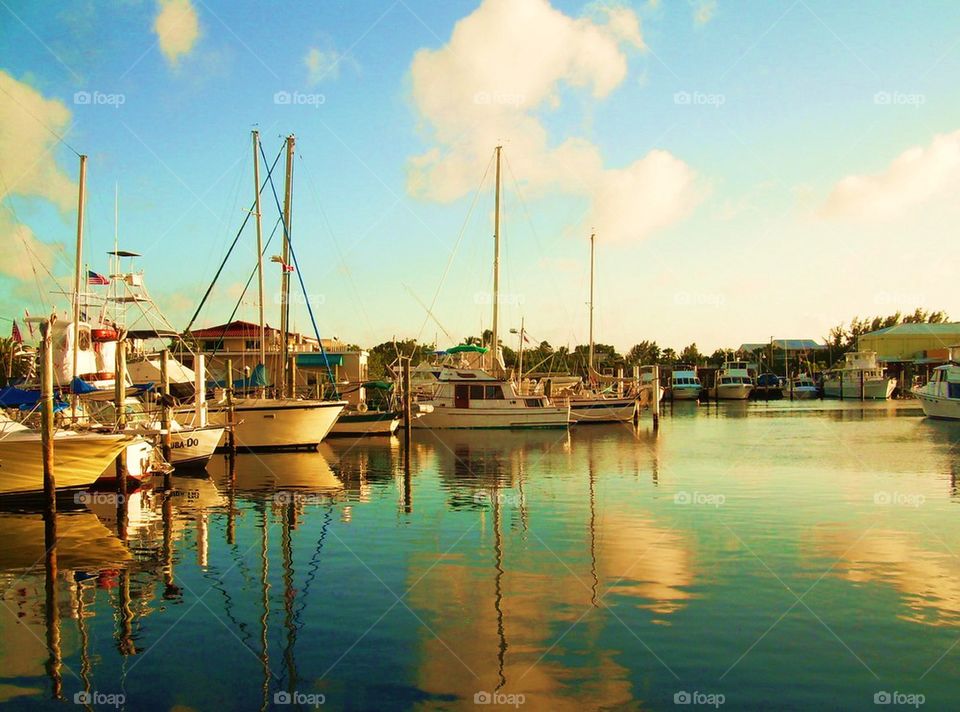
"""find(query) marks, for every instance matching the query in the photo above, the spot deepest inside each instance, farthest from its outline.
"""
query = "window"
(476, 392)
(493, 393)
(210, 345)
(251, 344)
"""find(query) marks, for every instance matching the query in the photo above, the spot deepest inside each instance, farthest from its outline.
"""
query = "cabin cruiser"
(684, 383)
(473, 398)
(940, 396)
(859, 377)
(801, 386)
(733, 381)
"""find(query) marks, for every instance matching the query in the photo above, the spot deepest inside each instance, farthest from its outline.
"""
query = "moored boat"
(684, 383)
(860, 376)
(733, 381)
(940, 396)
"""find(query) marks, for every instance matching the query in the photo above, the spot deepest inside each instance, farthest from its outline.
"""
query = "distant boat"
(473, 398)
(860, 372)
(78, 458)
(940, 396)
(768, 387)
(684, 383)
(733, 381)
(801, 386)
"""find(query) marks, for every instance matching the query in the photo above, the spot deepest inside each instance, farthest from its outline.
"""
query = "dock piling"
(231, 439)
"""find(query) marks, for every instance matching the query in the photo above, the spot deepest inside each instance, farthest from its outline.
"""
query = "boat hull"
(481, 418)
(78, 460)
(938, 406)
(732, 391)
(264, 424)
(365, 424)
(193, 447)
(873, 388)
(602, 410)
(802, 393)
(685, 393)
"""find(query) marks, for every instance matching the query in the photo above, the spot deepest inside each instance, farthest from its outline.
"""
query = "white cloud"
(322, 64)
(177, 27)
(913, 178)
(510, 59)
(704, 11)
(23, 251)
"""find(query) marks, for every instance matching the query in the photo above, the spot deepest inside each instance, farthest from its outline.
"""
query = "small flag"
(15, 334)
(96, 279)
(283, 266)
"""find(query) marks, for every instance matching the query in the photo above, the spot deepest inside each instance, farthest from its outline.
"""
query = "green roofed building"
(912, 343)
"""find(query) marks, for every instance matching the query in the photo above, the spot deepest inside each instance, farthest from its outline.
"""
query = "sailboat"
(486, 398)
(286, 422)
(592, 406)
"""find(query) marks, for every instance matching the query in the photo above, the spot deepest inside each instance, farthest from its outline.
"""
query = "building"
(911, 351)
(785, 351)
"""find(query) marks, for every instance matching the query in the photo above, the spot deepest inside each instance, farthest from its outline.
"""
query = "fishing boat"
(473, 398)
(684, 383)
(78, 458)
(801, 386)
(940, 396)
(733, 381)
(860, 376)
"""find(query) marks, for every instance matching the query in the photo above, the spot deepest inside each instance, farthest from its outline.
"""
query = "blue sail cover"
(12, 397)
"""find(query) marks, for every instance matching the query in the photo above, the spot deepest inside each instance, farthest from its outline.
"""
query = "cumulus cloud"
(177, 27)
(913, 178)
(511, 59)
(28, 169)
(322, 64)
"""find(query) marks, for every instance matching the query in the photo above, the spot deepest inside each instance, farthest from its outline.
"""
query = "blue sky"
(739, 228)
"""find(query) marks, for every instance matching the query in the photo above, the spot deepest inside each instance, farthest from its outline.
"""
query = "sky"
(751, 169)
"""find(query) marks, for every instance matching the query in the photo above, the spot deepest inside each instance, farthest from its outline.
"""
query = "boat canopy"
(379, 385)
(467, 348)
(319, 360)
(13, 397)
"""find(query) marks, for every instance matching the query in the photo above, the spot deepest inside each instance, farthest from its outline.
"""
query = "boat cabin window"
(493, 393)
(476, 392)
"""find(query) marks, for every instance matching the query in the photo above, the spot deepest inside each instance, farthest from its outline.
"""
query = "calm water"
(791, 556)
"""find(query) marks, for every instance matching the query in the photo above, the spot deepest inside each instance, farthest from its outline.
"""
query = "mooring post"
(120, 394)
(861, 385)
(165, 403)
(656, 397)
(46, 425)
(231, 438)
(407, 402)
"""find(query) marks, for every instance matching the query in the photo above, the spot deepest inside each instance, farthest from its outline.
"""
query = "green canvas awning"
(319, 360)
(467, 348)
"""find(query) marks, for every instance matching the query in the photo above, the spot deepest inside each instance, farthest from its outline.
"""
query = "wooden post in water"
(655, 404)
(165, 403)
(119, 394)
(46, 423)
(231, 438)
(861, 385)
(636, 390)
(407, 403)
(620, 382)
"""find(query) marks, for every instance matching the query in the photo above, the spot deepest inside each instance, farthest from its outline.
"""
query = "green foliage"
(842, 339)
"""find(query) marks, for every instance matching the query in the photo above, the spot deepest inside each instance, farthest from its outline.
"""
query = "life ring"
(362, 408)
(99, 336)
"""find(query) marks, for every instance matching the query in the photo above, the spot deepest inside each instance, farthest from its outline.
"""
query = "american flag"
(98, 279)
(284, 267)
(15, 334)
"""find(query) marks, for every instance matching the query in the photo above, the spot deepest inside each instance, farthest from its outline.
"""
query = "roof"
(788, 344)
(917, 330)
(234, 329)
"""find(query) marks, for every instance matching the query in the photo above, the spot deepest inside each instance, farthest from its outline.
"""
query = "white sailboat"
(859, 376)
(940, 396)
(286, 422)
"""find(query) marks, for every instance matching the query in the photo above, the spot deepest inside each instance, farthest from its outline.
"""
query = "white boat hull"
(802, 393)
(444, 416)
(732, 391)
(266, 424)
(873, 388)
(370, 423)
(194, 446)
(602, 410)
(685, 392)
(78, 460)
(938, 406)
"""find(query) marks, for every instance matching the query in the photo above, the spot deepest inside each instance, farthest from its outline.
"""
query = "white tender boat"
(472, 398)
(940, 396)
(860, 372)
(802, 387)
(733, 381)
(78, 458)
(685, 384)
(359, 423)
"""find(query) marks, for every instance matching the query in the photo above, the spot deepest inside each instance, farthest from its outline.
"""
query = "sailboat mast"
(593, 237)
(81, 196)
(256, 192)
(285, 277)
(496, 266)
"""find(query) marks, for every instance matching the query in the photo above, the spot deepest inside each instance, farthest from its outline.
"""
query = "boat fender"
(362, 407)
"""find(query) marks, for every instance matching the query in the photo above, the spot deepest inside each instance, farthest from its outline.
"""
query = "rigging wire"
(59, 138)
